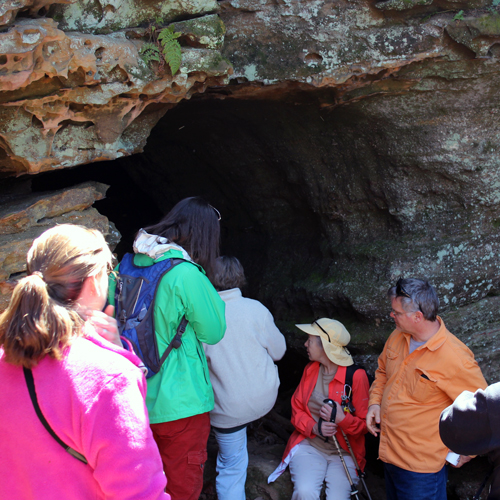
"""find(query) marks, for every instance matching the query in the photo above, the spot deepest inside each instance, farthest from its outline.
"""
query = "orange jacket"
(413, 389)
(353, 425)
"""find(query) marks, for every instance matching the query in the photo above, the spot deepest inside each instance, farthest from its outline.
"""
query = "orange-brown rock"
(10, 8)
(26, 218)
(68, 98)
(28, 212)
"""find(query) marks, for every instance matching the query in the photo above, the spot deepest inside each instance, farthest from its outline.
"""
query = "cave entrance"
(247, 158)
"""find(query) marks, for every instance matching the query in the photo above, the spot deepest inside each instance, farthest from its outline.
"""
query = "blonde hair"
(40, 319)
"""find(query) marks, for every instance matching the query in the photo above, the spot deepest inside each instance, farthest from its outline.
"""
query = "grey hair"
(424, 297)
(229, 273)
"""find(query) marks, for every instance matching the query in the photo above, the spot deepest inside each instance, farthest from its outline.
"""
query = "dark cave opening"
(222, 153)
(248, 159)
(230, 153)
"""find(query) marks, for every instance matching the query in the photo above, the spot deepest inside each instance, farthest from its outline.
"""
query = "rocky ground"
(265, 449)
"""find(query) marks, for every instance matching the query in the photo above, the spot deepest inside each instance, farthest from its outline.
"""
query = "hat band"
(326, 333)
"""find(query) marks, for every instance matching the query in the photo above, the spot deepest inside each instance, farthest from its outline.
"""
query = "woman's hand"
(105, 324)
(327, 429)
(326, 412)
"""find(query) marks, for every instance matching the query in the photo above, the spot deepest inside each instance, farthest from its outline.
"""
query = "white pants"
(232, 463)
(309, 467)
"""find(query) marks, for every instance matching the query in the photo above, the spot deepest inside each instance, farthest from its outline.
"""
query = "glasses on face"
(401, 292)
(216, 212)
(397, 314)
(326, 333)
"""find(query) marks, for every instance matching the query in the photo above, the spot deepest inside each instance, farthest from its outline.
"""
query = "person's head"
(330, 337)
(194, 225)
(413, 297)
(64, 264)
(229, 274)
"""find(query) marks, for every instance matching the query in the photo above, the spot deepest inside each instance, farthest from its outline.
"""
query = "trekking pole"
(354, 490)
(361, 474)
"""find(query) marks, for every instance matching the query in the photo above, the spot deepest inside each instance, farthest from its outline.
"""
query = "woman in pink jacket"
(59, 352)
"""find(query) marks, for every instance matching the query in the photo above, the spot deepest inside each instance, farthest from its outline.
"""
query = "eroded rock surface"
(23, 218)
(112, 15)
(70, 98)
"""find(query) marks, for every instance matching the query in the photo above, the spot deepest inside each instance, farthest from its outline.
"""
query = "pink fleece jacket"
(94, 400)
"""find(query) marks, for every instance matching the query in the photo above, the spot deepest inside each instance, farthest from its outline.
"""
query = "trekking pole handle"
(331, 402)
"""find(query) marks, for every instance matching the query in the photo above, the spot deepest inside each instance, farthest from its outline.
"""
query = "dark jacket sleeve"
(471, 425)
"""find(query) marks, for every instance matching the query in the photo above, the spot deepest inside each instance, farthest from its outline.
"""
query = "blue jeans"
(403, 484)
(232, 463)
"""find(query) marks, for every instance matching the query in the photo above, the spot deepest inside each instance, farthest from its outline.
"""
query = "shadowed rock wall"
(355, 142)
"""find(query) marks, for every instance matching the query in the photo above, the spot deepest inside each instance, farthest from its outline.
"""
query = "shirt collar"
(436, 341)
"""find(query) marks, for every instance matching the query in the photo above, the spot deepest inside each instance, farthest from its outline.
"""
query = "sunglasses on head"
(401, 292)
(400, 289)
(216, 212)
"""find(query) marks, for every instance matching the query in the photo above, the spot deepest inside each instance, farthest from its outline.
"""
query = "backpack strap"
(176, 341)
(346, 404)
(28, 375)
(349, 374)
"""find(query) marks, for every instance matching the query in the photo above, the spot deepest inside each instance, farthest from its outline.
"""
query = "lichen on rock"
(105, 16)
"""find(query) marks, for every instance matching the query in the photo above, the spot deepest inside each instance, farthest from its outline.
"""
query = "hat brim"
(310, 329)
(338, 355)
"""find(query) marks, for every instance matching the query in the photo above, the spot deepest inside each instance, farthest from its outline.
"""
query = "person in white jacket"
(243, 375)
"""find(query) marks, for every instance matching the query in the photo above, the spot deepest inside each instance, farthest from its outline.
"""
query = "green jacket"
(182, 387)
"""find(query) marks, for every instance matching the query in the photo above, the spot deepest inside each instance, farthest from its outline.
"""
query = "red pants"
(183, 449)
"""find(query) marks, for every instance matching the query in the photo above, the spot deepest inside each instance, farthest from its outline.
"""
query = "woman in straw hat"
(311, 451)
(56, 342)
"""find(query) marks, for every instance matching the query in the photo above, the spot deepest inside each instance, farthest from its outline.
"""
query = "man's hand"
(373, 419)
(462, 460)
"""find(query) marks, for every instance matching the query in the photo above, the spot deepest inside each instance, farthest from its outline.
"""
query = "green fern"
(171, 48)
(150, 52)
(459, 16)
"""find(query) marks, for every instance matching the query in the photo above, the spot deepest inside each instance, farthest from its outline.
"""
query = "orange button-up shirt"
(412, 391)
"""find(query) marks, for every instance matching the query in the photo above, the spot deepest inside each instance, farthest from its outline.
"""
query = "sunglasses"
(401, 292)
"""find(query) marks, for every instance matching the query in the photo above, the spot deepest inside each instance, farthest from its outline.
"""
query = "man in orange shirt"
(421, 371)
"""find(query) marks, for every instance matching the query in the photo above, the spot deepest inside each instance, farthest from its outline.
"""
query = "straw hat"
(334, 338)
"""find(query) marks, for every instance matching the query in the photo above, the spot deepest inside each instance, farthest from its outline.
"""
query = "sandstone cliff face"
(69, 98)
(388, 126)
(346, 143)
(393, 140)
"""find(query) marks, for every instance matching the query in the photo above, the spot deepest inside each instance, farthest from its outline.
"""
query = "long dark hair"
(194, 225)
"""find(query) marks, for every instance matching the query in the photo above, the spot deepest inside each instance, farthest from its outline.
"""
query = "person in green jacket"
(180, 396)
